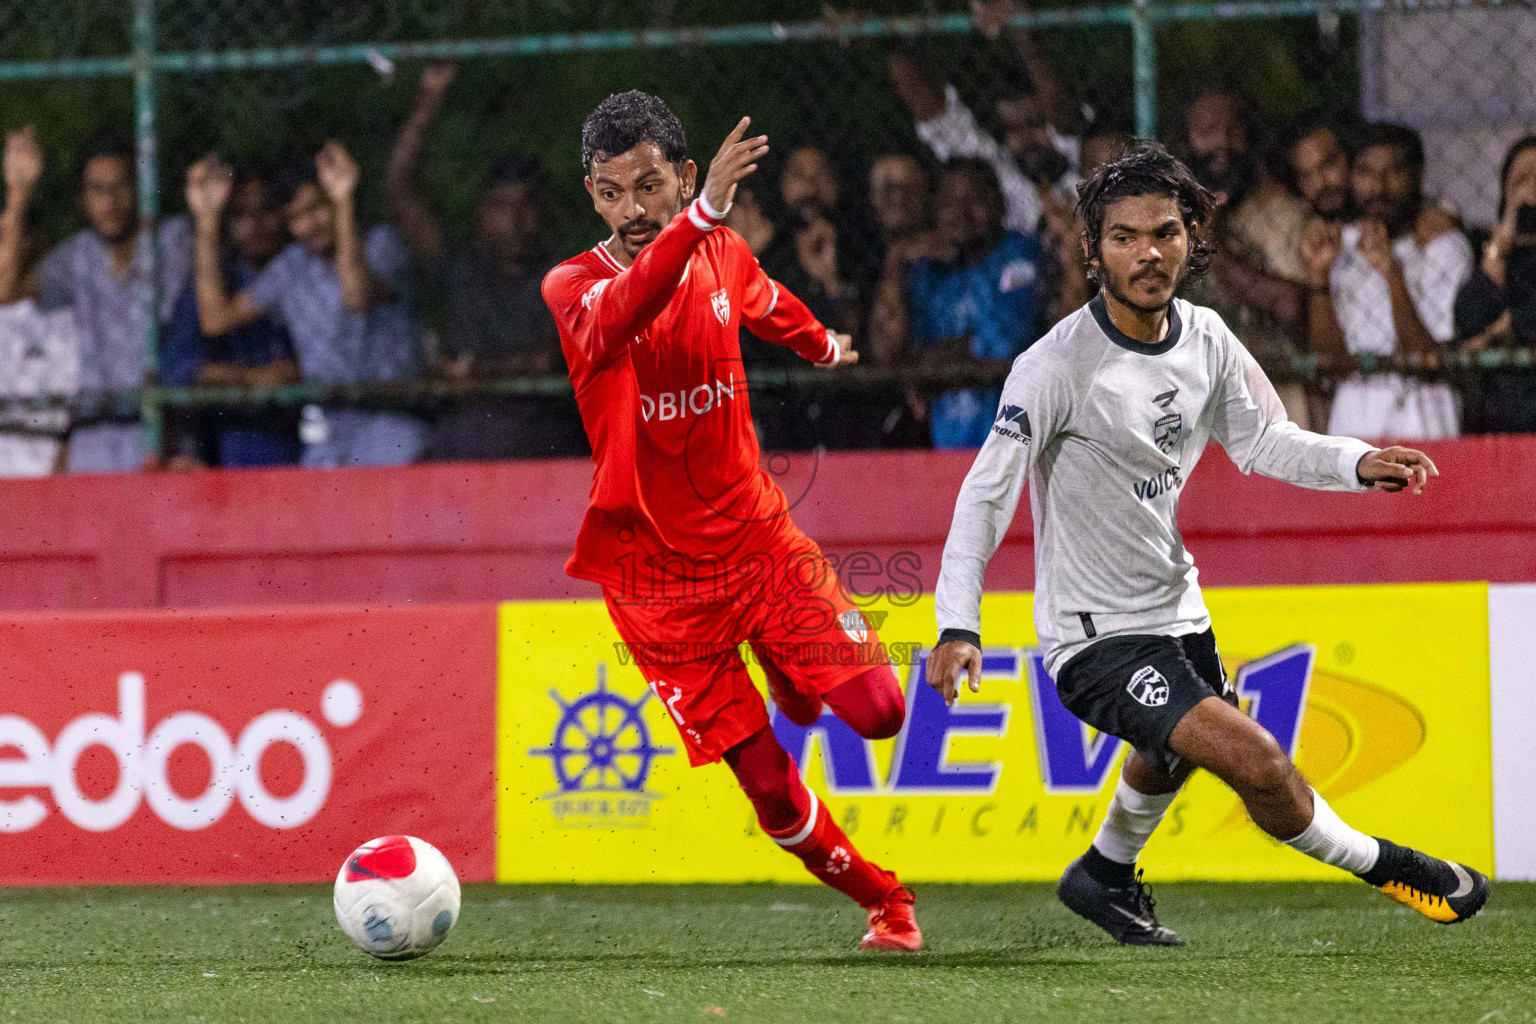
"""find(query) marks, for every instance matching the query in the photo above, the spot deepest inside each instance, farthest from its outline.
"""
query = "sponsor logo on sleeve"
(593, 292)
(1013, 421)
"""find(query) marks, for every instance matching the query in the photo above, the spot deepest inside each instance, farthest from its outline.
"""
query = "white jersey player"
(1105, 418)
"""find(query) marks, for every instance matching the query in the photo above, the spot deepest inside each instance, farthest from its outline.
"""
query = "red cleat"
(892, 925)
(801, 708)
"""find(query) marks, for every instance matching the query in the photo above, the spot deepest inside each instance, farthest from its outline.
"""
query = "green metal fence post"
(1144, 63)
(144, 130)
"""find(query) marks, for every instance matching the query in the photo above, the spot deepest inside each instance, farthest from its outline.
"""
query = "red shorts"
(690, 651)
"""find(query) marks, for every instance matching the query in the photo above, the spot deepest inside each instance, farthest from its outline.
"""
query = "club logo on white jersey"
(855, 625)
(1149, 687)
(721, 302)
(1166, 431)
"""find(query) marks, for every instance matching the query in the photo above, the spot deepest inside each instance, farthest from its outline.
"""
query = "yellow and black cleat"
(1441, 890)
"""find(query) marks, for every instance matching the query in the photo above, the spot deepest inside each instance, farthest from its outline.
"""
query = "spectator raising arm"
(992, 16)
(208, 186)
(1321, 242)
(949, 129)
(423, 235)
(361, 289)
(915, 84)
(23, 168)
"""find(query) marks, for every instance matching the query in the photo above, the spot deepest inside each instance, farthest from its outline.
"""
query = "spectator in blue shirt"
(258, 354)
(971, 296)
(345, 299)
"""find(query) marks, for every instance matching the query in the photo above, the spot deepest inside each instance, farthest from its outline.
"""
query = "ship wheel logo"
(601, 754)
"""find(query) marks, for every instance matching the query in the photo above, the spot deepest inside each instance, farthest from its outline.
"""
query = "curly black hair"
(624, 120)
(1147, 169)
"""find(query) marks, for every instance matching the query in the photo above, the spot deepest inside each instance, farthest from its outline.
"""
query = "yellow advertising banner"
(1380, 692)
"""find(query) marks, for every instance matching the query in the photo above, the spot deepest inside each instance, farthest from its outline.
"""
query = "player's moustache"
(639, 226)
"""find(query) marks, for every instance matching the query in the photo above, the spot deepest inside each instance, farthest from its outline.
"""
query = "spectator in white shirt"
(1037, 158)
(1386, 284)
(39, 359)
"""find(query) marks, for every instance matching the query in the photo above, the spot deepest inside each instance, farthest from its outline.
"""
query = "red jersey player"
(690, 539)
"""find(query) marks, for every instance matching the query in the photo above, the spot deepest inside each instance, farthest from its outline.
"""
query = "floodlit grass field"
(1264, 953)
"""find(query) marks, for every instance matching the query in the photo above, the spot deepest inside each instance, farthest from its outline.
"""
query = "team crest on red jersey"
(721, 301)
(854, 624)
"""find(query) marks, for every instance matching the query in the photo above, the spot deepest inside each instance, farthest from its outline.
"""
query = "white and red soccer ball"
(397, 897)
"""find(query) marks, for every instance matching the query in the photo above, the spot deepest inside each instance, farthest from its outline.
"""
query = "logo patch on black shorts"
(1149, 687)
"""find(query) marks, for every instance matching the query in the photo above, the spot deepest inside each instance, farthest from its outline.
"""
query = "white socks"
(1130, 822)
(1331, 841)
(1134, 816)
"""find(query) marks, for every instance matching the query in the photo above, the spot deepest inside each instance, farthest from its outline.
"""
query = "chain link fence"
(1248, 91)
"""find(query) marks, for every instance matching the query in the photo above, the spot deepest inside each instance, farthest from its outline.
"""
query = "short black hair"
(983, 174)
(1385, 133)
(1308, 124)
(515, 168)
(624, 120)
(262, 173)
(106, 144)
(1521, 145)
(1242, 106)
(289, 178)
(1147, 169)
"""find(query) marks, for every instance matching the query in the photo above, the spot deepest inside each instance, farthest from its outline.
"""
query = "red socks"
(797, 821)
(829, 855)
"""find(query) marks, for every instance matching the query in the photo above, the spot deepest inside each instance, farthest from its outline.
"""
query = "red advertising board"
(257, 746)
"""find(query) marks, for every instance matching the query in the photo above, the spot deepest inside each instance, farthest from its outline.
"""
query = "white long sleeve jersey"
(1107, 430)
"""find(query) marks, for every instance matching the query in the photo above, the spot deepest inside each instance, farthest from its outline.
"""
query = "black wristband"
(950, 635)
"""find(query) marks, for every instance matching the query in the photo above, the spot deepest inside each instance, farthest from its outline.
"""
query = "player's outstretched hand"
(1396, 468)
(947, 662)
(737, 158)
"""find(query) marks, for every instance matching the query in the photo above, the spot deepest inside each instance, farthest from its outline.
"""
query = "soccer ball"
(397, 897)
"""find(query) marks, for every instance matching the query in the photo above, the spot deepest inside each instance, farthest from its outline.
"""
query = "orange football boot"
(892, 924)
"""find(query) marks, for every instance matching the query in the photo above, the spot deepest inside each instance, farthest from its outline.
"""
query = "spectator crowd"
(957, 250)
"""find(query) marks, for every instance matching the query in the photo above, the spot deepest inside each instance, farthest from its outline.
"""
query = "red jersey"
(655, 359)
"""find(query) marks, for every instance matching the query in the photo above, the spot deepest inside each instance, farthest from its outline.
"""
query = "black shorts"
(1138, 687)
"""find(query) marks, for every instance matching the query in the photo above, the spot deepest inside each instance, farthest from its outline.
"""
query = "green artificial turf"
(1263, 953)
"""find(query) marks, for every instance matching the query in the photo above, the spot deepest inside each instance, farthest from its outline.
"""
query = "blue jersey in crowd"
(245, 439)
(993, 304)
